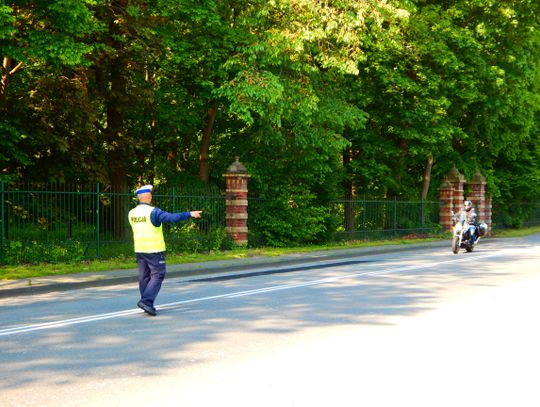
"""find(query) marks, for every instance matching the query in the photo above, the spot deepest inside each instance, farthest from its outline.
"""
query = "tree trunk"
(204, 172)
(116, 101)
(117, 156)
(7, 72)
(6, 63)
(349, 196)
(427, 177)
(400, 167)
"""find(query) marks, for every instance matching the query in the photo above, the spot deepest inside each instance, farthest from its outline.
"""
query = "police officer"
(146, 222)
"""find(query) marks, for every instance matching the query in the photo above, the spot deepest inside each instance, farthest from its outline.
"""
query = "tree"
(295, 110)
(441, 86)
(38, 39)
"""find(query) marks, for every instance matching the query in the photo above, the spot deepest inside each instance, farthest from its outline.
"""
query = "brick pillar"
(236, 203)
(478, 195)
(456, 180)
(446, 198)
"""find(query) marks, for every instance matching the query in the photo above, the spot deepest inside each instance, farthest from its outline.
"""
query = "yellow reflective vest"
(147, 238)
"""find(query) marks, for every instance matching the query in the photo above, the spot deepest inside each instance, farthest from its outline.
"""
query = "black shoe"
(147, 308)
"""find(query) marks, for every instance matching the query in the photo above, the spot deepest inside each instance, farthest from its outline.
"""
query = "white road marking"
(118, 314)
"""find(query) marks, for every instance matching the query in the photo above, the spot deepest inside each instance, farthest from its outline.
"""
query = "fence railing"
(44, 223)
(376, 219)
(66, 223)
(516, 214)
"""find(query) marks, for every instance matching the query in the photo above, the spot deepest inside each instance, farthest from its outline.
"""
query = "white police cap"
(144, 189)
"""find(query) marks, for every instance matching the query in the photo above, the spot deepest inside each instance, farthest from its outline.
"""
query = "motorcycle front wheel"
(455, 244)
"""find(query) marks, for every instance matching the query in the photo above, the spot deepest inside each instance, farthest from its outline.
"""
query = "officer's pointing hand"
(195, 214)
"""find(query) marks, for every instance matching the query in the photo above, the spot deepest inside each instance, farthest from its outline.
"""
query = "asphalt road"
(425, 328)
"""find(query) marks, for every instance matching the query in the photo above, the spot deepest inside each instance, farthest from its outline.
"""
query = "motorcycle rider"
(468, 216)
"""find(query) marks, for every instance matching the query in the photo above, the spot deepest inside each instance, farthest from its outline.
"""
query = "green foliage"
(516, 215)
(19, 252)
(255, 93)
(6, 22)
(48, 31)
(292, 220)
(192, 241)
(11, 155)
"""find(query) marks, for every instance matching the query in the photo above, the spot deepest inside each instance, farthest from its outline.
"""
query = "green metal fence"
(61, 223)
(516, 215)
(66, 223)
(381, 219)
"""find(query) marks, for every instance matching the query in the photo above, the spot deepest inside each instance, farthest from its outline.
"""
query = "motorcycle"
(461, 236)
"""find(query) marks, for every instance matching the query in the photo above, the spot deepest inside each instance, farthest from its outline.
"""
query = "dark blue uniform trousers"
(151, 275)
